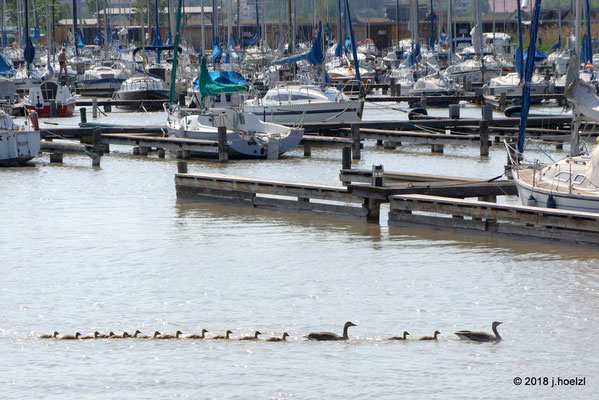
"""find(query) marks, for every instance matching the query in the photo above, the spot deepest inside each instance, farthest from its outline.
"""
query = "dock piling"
(307, 150)
(161, 153)
(355, 134)
(56, 158)
(454, 111)
(83, 112)
(392, 87)
(53, 111)
(182, 167)
(94, 108)
(487, 112)
(223, 155)
(484, 137)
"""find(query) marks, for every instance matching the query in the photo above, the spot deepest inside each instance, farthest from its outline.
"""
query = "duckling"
(167, 336)
(434, 337)
(255, 337)
(103, 335)
(95, 336)
(196, 336)
(49, 335)
(155, 336)
(71, 337)
(136, 333)
(277, 339)
(403, 337)
(125, 335)
(226, 336)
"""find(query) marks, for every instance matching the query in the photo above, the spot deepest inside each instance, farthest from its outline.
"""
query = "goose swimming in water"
(95, 336)
(255, 337)
(104, 335)
(405, 333)
(125, 335)
(155, 336)
(71, 337)
(321, 336)
(277, 339)
(196, 336)
(49, 335)
(481, 336)
(434, 337)
(223, 337)
(167, 336)
(136, 334)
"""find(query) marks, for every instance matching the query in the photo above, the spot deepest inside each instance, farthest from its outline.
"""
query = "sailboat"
(573, 182)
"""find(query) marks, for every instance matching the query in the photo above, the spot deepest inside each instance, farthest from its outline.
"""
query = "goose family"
(482, 336)
(324, 336)
(316, 336)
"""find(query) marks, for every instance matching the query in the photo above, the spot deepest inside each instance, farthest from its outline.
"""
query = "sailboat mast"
(577, 28)
(203, 29)
(449, 30)
(74, 26)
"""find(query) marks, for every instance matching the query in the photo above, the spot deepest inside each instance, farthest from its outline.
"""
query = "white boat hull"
(343, 111)
(18, 147)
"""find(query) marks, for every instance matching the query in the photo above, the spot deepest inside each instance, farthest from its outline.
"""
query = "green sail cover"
(208, 87)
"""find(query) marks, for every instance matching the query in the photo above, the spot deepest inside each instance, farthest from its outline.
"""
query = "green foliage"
(141, 12)
(61, 11)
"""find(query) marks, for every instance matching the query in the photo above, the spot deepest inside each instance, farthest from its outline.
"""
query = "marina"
(284, 199)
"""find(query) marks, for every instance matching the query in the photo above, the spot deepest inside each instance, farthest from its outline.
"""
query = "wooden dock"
(495, 219)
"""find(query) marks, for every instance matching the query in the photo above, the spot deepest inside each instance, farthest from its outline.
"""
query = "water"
(87, 249)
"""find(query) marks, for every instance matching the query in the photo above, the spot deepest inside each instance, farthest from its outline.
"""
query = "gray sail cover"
(477, 31)
(580, 92)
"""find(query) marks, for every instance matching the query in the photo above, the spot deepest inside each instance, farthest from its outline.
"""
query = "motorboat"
(101, 80)
(247, 136)
(473, 71)
(139, 88)
(18, 143)
(291, 103)
(50, 100)
(510, 85)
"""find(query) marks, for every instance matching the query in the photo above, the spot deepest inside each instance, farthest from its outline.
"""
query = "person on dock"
(62, 61)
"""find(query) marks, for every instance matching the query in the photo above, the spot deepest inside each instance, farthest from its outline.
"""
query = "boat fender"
(531, 201)
(417, 111)
(551, 202)
(35, 122)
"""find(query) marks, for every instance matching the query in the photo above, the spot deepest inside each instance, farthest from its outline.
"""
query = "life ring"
(588, 65)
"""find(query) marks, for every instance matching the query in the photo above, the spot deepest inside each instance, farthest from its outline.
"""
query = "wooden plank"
(270, 187)
(446, 189)
(544, 217)
(162, 142)
(365, 175)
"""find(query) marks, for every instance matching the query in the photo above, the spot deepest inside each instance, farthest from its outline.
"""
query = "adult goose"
(321, 336)
(136, 334)
(255, 337)
(49, 335)
(434, 337)
(196, 336)
(403, 337)
(277, 339)
(71, 337)
(226, 336)
(167, 336)
(481, 336)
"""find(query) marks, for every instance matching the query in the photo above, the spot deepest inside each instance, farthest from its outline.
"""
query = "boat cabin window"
(217, 98)
(563, 176)
(228, 97)
(578, 179)
(300, 97)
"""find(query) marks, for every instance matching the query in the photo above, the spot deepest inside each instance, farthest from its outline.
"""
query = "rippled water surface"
(111, 248)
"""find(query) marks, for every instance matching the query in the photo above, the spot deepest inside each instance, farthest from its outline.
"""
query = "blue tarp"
(314, 55)
(539, 55)
(6, 68)
(226, 77)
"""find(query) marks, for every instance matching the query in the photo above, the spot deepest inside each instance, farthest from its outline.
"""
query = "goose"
(125, 335)
(136, 333)
(223, 337)
(49, 335)
(403, 337)
(255, 337)
(103, 335)
(330, 335)
(168, 336)
(155, 336)
(95, 336)
(71, 337)
(278, 339)
(481, 336)
(196, 336)
(434, 337)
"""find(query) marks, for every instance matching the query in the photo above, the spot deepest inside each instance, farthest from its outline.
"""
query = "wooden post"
(107, 106)
(56, 158)
(182, 99)
(373, 207)
(94, 107)
(136, 151)
(487, 112)
(97, 145)
(454, 111)
(390, 144)
(83, 112)
(346, 158)
(423, 100)
(385, 90)
(161, 153)
(223, 155)
(307, 150)
(182, 167)
(143, 150)
(397, 89)
(392, 87)
(484, 137)
(355, 134)
(379, 142)
(437, 148)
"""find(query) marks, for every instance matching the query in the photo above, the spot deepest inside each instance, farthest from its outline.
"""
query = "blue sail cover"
(6, 68)
(587, 47)
(80, 41)
(314, 55)
(354, 49)
(36, 31)
(217, 52)
(157, 38)
(339, 50)
(539, 55)
(414, 56)
(4, 39)
(29, 51)
(431, 40)
(98, 39)
(528, 71)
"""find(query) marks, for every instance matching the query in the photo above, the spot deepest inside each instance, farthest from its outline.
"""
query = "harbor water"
(112, 249)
